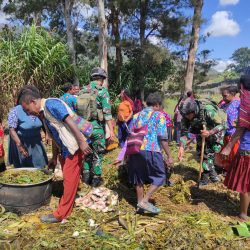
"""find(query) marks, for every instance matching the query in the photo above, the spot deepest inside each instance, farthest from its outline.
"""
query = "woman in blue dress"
(25, 146)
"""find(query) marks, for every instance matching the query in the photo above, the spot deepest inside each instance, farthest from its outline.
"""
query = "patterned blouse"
(157, 128)
(232, 110)
(70, 100)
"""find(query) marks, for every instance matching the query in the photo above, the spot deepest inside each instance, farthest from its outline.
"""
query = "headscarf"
(188, 106)
(125, 97)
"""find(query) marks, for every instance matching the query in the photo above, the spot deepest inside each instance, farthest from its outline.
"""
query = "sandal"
(149, 208)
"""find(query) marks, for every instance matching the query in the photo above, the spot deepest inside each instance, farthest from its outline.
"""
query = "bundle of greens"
(23, 177)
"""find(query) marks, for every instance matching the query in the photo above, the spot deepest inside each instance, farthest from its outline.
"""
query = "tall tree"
(242, 58)
(70, 29)
(103, 33)
(135, 25)
(115, 24)
(197, 4)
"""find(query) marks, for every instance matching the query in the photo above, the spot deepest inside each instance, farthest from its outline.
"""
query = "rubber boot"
(96, 181)
(213, 176)
(204, 179)
(86, 177)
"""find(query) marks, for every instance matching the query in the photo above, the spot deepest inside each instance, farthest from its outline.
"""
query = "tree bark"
(38, 18)
(103, 50)
(114, 19)
(67, 8)
(198, 4)
(143, 16)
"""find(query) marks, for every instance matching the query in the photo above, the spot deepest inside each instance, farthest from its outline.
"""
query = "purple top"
(245, 141)
(232, 109)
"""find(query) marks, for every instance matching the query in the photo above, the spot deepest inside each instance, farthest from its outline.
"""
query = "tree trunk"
(143, 16)
(114, 18)
(38, 18)
(193, 45)
(68, 5)
(103, 50)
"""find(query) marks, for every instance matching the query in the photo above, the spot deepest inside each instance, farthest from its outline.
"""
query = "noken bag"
(135, 138)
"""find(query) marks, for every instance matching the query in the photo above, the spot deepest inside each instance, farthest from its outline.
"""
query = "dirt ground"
(190, 218)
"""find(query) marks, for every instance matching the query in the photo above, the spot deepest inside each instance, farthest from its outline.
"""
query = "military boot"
(213, 176)
(204, 179)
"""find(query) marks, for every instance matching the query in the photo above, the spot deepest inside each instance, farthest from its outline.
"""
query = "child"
(2, 163)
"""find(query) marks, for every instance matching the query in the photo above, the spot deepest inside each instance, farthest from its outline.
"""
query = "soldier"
(197, 113)
(94, 105)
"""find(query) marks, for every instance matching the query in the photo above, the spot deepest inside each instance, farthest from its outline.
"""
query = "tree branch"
(151, 31)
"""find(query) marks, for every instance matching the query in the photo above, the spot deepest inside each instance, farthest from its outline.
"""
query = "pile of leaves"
(23, 177)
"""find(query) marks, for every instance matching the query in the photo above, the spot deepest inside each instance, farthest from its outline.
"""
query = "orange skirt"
(225, 163)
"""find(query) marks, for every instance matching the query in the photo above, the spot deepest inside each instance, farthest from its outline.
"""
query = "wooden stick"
(202, 154)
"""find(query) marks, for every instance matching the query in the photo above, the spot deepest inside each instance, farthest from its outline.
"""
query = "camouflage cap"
(99, 72)
(188, 106)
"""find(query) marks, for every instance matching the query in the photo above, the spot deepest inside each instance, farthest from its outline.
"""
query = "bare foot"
(243, 217)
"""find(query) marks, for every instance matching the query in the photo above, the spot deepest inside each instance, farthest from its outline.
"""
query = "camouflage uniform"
(93, 161)
(215, 122)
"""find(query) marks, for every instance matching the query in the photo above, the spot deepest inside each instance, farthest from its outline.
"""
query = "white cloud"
(154, 40)
(228, 2)
(222, 65)
(85, 10)
(4, 18)
(222, 24)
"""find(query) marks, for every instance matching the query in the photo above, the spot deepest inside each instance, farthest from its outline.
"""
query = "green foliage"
(157, 67)
(31, 57)
(242, 58)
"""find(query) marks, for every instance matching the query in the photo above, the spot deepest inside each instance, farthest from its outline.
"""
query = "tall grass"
(33, 56)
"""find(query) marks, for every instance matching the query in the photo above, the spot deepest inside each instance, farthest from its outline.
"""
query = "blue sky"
(229, 24)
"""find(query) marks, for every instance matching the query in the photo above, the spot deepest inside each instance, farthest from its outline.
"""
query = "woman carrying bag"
(147, 165)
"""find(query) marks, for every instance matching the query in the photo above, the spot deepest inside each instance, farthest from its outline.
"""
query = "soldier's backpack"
(86, 104)
(220, 115)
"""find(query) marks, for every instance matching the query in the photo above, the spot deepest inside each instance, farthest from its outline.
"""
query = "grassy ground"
(191, 218)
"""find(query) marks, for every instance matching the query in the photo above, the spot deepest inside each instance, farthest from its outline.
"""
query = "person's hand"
(205, 133)
(23, 150)
(181, 153)
(52, 163)
(85, 148)
(112, 136)
(170, 162)
(225, 152)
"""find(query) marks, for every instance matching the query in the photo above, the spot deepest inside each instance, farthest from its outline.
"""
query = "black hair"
(189, 93)
(27, 94)
(245, 81)
(233, 90)
(26, 89)
(154, 99)
(66, 87)
(96, 78)
(127, 93)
